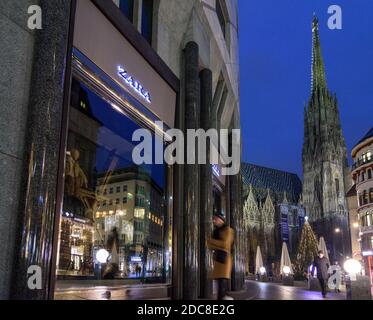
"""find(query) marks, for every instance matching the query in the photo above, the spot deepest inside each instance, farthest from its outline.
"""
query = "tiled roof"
(276, 181)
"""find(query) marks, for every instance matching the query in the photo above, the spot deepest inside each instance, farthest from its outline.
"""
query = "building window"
(369, 173)
(365, 197)
(104, 148)
(371, 195)
(125, 188)
(118, 189)
(139, 213)
(363, 176)
(147, 20)
(126, 6)
(221, 17)
(124, 200)
(337, 186)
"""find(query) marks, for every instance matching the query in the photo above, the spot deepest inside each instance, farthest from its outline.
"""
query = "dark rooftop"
(277, 181)
(368, 135)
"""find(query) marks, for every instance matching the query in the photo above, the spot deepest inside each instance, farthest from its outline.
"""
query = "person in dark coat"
(221, 244)
(321, 263)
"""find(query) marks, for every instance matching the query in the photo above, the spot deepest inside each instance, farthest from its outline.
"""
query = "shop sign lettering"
(134, 84)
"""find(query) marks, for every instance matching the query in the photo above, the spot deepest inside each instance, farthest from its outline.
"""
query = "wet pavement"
(255, 290)
(275, 291)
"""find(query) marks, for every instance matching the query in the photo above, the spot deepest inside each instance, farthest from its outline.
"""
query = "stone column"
(206, 201)
(37, 213)
(191, 176)
(237, 223)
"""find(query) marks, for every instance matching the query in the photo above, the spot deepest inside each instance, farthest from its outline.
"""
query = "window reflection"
(109, 202)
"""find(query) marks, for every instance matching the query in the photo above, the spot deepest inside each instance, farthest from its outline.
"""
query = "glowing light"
(337, 230)
(262, 270)
(216, 170)
(306, 218)
(286, 270)
(356, 225)
(134, 84)
(352, 266)
(102, 255)
(310, 271)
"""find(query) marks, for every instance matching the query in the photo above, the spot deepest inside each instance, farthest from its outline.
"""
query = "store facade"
(114, 86)
(96, 81)
(127, 208)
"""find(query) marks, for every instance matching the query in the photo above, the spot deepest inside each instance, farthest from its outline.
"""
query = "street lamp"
(286, 270)
(352, 266)
(102, 255)
(262, 271)
(337, 230)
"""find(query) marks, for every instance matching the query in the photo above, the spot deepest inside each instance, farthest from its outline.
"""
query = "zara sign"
(134, 84)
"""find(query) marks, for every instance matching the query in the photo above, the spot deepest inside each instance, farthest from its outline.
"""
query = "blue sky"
(275, 58)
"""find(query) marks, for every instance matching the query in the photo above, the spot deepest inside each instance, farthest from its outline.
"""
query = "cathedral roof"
(277, 181)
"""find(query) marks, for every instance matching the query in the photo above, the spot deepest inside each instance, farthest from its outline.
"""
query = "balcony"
(361, 162)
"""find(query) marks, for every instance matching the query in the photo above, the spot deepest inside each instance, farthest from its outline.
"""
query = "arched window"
(317, 190)
(337, 186)
(369, 173)
(365, 197)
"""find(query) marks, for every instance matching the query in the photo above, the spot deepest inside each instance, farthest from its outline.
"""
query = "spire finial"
(318, 77)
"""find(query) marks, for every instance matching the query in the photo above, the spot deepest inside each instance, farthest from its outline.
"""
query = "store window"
(99, 154)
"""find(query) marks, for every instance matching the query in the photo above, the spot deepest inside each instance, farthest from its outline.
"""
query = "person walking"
(321, 263)
(221, 244)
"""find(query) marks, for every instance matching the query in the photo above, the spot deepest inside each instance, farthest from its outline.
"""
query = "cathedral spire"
(318, 80)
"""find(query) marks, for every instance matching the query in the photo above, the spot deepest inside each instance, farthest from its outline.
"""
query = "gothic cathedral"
(325, 165)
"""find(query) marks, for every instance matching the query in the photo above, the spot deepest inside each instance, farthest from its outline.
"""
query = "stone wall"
(16, 56)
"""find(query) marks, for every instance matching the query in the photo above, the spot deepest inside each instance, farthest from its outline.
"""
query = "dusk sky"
(275, 58)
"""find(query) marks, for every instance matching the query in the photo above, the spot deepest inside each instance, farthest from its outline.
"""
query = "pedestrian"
(221, 244)
(321, 263)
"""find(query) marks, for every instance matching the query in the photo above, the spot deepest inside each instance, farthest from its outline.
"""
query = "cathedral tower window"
(337, 186)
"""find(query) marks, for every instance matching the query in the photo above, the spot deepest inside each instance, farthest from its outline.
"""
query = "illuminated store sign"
(367, 253)
(134, 84)
(136, 259)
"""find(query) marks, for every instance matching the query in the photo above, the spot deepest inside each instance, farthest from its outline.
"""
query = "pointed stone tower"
(325, 166)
